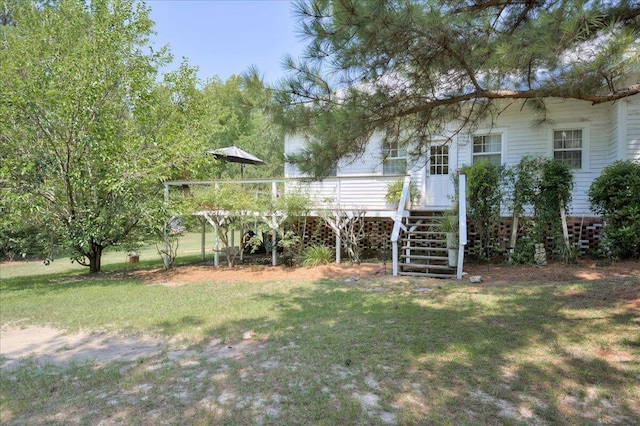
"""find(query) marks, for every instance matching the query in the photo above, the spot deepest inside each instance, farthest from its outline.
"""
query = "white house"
(589, 136)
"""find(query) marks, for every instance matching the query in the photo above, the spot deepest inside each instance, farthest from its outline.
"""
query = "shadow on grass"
(456, 355)
(509, 342)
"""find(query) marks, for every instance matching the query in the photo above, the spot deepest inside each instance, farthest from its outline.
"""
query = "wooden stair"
(423, 249)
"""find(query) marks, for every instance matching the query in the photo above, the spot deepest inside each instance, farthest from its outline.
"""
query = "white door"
(439, 188)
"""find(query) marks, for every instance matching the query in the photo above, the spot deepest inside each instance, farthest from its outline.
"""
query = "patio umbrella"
(233, 154)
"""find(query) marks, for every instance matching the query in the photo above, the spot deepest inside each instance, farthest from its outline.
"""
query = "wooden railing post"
(462, 221)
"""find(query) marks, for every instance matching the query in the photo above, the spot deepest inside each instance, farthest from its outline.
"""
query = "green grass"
(189, 251)
(561, 353)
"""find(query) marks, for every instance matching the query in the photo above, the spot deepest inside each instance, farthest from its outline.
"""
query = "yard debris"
(475, 279)
(248, 335)
(353, 278)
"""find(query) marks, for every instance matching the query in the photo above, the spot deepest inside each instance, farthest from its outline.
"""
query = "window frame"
(582, 126)
(494, 131)
(387, 149)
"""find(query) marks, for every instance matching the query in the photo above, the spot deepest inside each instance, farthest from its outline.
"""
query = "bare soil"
(490, 274)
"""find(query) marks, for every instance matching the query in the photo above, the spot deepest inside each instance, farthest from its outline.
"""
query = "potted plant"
(448, 223)
(394, 192)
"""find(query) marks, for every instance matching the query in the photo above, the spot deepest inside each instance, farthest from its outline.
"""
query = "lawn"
(330, 351)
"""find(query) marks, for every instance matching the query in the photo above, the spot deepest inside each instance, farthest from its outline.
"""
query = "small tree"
(615, 194)
(349, 226)
(484, 197)
(524, 179)
(551, 204)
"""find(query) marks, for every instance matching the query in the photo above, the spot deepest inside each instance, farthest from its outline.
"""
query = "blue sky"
(225, 37)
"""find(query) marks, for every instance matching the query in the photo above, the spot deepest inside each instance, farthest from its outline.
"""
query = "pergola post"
(202, 238)
(165, 233)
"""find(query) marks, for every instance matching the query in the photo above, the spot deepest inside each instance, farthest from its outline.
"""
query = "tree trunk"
(95, 258)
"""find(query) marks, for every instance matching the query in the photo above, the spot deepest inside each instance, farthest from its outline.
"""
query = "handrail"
(397, 223)
(462, 222)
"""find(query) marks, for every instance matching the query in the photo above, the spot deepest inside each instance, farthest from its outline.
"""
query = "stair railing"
(462, 221)
(401, 212)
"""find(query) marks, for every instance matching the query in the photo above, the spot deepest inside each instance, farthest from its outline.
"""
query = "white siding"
(633, 128)
(615, 118)
(610, 131)
(292, 144)
(349, 193)
(370, 163)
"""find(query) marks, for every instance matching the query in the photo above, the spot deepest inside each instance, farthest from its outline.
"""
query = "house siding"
(611, 131)
(633, 128)
(615, 118)
(523, 136)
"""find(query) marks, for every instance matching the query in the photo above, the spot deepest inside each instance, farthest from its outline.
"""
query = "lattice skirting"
(377, 233)
(585, 233)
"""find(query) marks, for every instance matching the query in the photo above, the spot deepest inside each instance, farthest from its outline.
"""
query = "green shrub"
(615, 195)
(317, 255)
(484, 197)
(394, 192)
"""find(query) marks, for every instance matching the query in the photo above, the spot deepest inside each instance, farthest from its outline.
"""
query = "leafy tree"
(177, 119)
(72, 74)
(415, 69)
(241, 121)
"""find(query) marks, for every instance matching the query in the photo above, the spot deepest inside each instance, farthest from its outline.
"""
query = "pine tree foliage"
(412, 69)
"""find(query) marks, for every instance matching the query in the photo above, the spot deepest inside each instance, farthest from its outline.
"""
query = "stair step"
(416, 218)
(419, 223)
(425, 232)
(423, 274)
(422, 248)
(423, 266)
(424, 240)
(421, 257)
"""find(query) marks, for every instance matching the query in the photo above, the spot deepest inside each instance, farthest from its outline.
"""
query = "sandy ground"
(47, 344)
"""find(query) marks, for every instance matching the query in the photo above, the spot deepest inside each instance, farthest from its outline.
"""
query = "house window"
(395, 158)
(567, 147)
(439, 160)
(488, 148)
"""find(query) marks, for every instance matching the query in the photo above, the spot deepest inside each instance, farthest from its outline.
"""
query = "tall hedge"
(615, 195)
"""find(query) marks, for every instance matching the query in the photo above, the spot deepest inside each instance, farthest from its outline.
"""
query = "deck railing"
(359, 192)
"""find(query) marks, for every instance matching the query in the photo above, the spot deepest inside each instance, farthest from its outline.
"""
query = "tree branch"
(515, 94)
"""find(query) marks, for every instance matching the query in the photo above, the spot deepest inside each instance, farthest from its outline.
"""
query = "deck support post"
(203, 238)
(216, 246)
(165, 233)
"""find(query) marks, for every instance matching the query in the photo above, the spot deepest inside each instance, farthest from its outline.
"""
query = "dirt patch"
(54, 346)
(554, 272)
(491, 274)
(50, 345)
(259, 273)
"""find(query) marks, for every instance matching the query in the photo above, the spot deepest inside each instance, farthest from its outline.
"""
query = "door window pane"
(439, 160)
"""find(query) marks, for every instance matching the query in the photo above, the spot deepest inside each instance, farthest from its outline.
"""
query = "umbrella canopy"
(233, 154)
